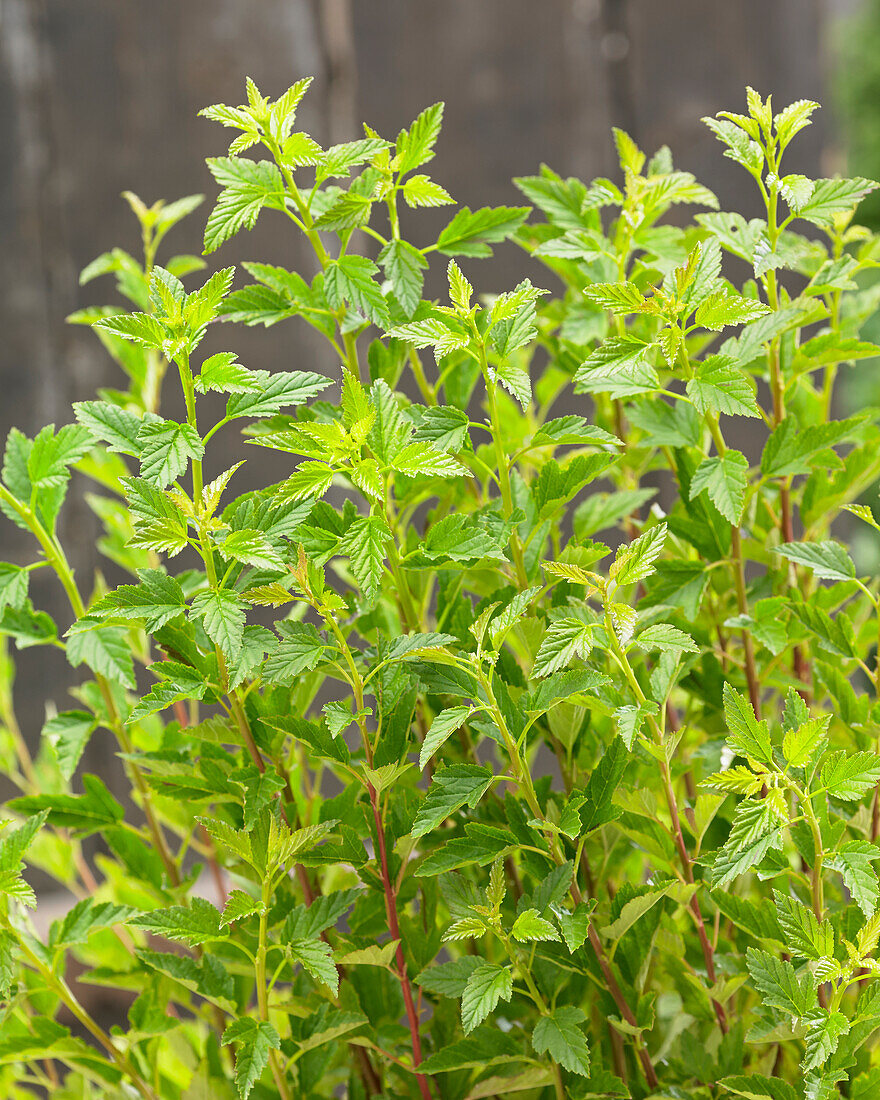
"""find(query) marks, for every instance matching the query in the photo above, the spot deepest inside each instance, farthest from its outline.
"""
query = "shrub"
(434, 794)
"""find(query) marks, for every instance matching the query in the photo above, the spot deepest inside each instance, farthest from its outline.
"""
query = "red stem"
(394, 929)
(687, 867)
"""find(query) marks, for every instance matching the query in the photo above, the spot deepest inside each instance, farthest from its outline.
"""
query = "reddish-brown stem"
(687, 868)
(255, 755)
(622, 1007)
(394, 929)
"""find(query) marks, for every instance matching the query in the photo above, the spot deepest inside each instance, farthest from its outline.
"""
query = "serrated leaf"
(803, 744)
(747, 736)
(443, 726)
(195, 924)
(106, 652)
(719, 386)
(635, 560)
(365, 543)
(530, 926)
(486, 986)
(725, 479)
(827, 559)
(471, 232)
(565, 639)
(350, 279)
(849, 776)
(667, 639)
(68, 733)
(403, 265)
(559, 1034)
(805, 936)
(451, 788)
(779, 985)
(223, 613)
(254, 1039)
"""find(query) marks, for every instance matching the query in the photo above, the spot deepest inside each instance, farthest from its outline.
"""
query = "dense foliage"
(434, 793)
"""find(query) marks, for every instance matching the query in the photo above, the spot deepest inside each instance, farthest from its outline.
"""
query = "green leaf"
(758, 1087)
(159, 524)
(834, 196)
(792, 449)
(274, 392)
(849, 776)
(52, 455)
(239, 906)
(559, 1034)
(747, 736)
(471, 232)
(365, 543)
(117, 427)
(756, 829)
(156, 600)
(486, 986)
(805, 937)
(575, 925)
(254, 1039)
(635, 561)
(423, 191)
(338, 159)
(422, 459)
(68, 733)
(802, 745)
(443, 726)
(443, 426)
(485, 1046)
(824, 1031)
(222, 613)
(195, 924)
(349, 210)
(106, 652)
(299, 651)
(828, 560)
(248, 186)
(565, 639)
(725, 479)
(86, 813)
(722, 309)
(350, 279)
(165, 449)
(598, 808)
(719, 386)
(251, 547)
(451, 788)
(86, 917)
(619, 298)
(449, 979)
(13, 586)
(853, 861)
(223, 374)
(530, 926)
(779, 985)
(415, 146)
(668, 639)
(403, 265)
(316, 958)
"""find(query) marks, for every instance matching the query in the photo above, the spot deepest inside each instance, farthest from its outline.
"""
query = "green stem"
(66, 995)
(503, 473)
(58, 561)
(262, 988)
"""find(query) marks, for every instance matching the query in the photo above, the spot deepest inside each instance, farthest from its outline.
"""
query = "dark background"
(99, 96)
